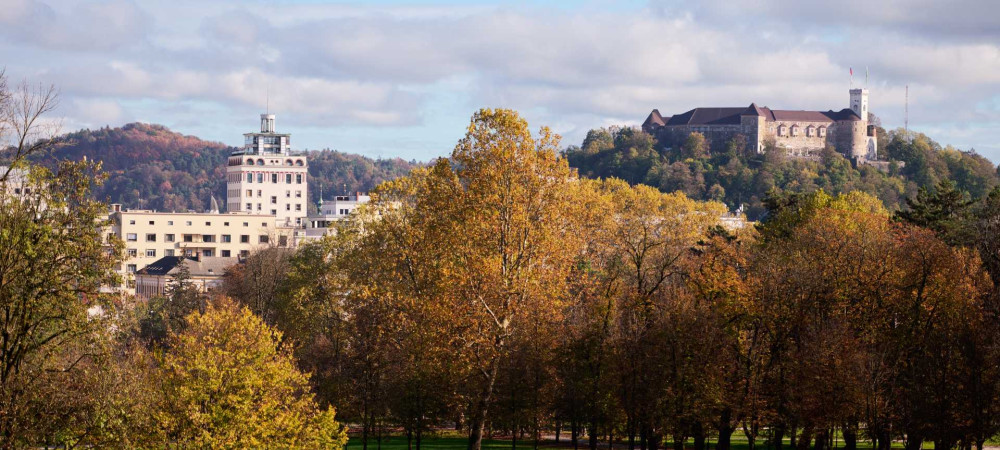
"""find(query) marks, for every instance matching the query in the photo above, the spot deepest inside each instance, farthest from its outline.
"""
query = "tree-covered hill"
(150, 166)
(740, 177)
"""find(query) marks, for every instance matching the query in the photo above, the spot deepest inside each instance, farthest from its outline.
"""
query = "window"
(274, 178)
(188, 238)
(260, 178)
(132, 253)
(208, 224)
(822, 131)
(781, 130)
(258, 207)
(288, 194)
(249, 192)
(131, 237)
(298, 207)
(249, 206)
(259, 193)
(263, 224)
(207, 253)
(298, 194)
(150, 253)
(131, 268)
(168, 238)
(168, 252)
(152, 222)
(795, 130)
(260, 162)
(244, 239)
(262, 239)
(225, 224)
(298, 163)
(274, 212)
(274, 199)
(244, 253)
(226, 238)
(225, 253)
(283, 241)
(188, 223)
(131, 222)
(208, 238)
(246, 224)
(170, 222)
(288, 207)
(249, 178)
(298, 178)
(288, 178)
(150, 237)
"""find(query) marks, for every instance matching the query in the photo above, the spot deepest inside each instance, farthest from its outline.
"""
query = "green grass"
(455, 441)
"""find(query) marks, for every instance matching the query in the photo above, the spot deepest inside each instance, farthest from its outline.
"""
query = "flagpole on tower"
(852, 77)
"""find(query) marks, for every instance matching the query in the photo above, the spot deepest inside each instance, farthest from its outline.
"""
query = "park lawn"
(453, 441)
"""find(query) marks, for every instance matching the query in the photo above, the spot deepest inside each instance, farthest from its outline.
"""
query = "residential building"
(331, 211)
(151, 235)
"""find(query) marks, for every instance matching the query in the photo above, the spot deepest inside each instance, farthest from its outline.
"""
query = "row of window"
(784, 130)
(274, 178)
(274, 212)
(188, 223)
(274, 199)
(288, 162)
(225, 238)
(151, 252)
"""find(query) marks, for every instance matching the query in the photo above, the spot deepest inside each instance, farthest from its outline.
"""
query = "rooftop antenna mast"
(906, 114)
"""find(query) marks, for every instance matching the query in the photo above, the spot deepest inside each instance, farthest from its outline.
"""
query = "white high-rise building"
(265, 177)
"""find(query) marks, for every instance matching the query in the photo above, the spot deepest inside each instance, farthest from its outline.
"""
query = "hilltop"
(153, 167)
(737, 176)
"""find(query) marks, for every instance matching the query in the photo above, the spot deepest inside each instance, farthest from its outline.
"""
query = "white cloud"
(360, 68)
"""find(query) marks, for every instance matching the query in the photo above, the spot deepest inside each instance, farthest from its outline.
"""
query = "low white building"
(333, 211)
(206, 274)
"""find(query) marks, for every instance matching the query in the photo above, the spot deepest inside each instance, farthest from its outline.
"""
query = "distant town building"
(331, 211)
(206, 274)
(267, 198)
(799, 133)
(151, 235)
(265, 177)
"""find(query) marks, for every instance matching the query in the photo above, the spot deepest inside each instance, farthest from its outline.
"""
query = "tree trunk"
(778, 441)
(679, 441)
(558, 429)
(820, 440)
(850, 438)
(699, 437)
(592, 434)
(913, 441)
(725, 435)
(574, 431)
(804, 439)
(654, 440)
(478, 420)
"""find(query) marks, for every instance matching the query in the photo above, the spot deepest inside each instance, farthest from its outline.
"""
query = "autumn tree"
(228, 381)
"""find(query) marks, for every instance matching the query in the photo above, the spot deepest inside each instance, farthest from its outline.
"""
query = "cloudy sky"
(401, 78)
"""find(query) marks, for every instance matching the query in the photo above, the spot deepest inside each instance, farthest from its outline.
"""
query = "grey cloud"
(89, 26)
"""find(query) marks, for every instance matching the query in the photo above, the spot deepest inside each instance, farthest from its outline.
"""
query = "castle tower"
(265, 177)
(859, 103)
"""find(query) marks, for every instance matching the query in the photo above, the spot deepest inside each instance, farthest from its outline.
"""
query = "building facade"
(265, 177)
(205, 274)
(798, 133)
(332, 211)
(151, 235)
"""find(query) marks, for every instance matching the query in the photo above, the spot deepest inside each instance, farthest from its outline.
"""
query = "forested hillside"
(150, 166)
(735, 176)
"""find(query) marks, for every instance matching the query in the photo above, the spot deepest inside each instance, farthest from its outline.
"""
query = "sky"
(402, 78)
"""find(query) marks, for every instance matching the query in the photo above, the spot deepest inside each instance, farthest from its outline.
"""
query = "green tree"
(228, 382)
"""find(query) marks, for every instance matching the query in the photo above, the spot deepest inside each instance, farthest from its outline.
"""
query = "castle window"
(810, 131)
(781, 130)
(795, 130)
(822, 131)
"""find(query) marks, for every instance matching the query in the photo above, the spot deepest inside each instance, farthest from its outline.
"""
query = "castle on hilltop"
(799, 133)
